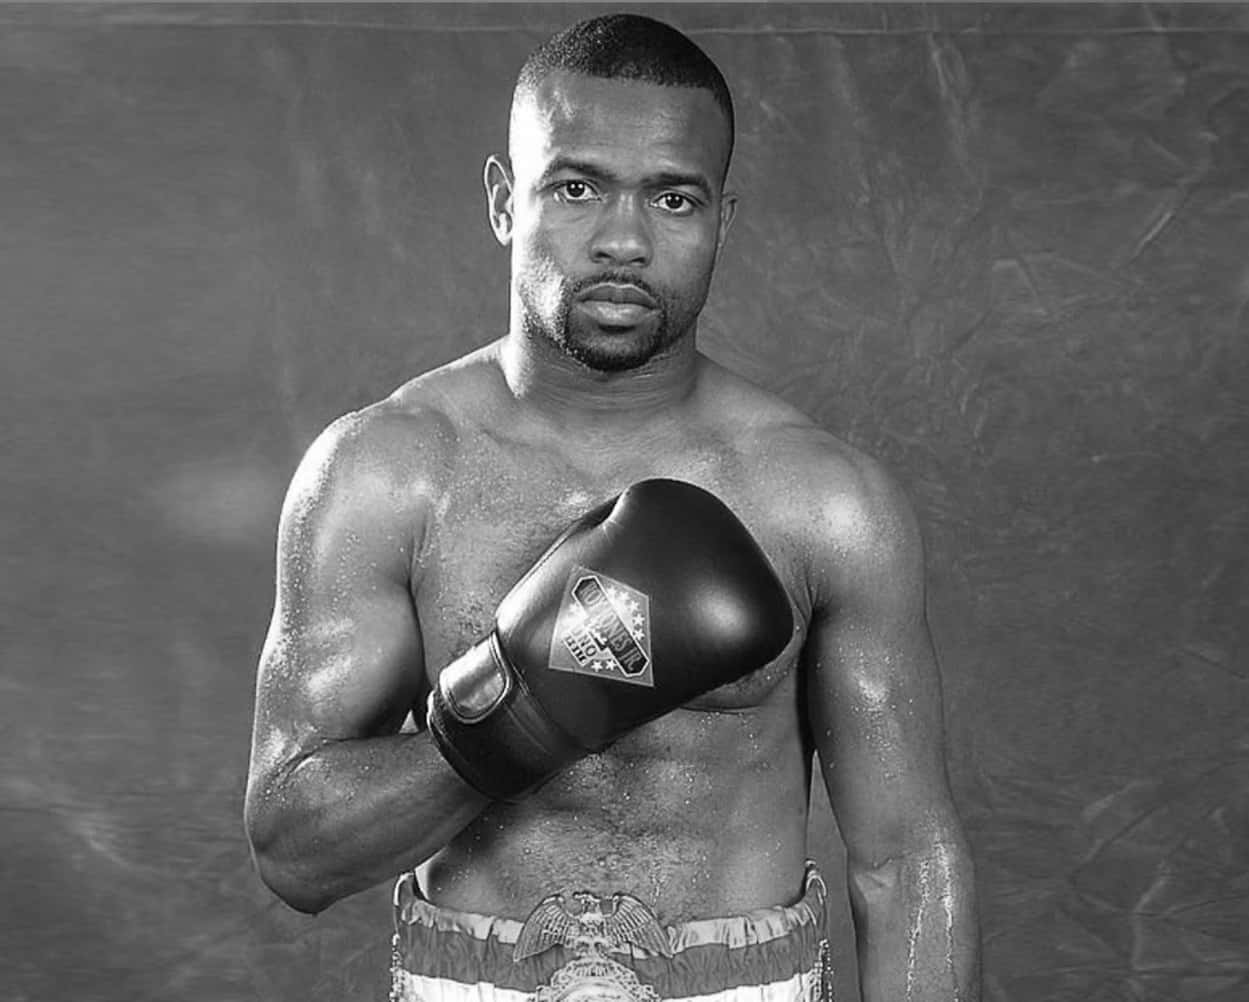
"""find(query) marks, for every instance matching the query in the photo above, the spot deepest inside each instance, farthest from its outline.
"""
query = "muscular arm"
(337, 798)
(875, 706)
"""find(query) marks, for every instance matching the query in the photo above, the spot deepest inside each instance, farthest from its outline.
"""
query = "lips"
(619, 293)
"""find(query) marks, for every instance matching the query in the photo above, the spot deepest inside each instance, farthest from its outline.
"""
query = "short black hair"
(627, 47)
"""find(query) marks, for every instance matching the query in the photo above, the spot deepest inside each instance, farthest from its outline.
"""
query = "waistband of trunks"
(760, 947)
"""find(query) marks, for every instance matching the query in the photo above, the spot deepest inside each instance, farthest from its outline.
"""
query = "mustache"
(616, 277)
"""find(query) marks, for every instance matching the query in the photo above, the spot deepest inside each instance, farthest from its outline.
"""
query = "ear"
(497, 178)
(728, 211)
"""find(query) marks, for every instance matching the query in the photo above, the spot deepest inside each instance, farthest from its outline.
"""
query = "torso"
(699, 813)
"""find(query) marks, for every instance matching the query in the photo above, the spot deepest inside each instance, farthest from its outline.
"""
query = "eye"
(574, 191)
(675, 203)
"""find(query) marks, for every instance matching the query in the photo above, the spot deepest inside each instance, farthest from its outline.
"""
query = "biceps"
(361, 667)
(338, 670)
(876, 715)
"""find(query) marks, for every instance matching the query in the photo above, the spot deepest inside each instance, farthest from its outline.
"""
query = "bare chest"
(502, 510)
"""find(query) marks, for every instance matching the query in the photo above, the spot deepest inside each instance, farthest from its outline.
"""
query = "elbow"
(871, 882)
(293, 889)
(281, 870)
(941, 863)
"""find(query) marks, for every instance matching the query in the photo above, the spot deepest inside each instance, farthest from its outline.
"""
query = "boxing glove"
(653, 598)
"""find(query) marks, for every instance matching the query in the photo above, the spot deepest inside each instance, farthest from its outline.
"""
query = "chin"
(613, 350)
(613, 353)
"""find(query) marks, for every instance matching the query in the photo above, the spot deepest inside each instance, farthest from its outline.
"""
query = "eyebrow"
(664, 179)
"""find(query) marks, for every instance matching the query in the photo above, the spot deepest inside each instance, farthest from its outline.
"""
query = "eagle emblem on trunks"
(595, 927)
(603, 629)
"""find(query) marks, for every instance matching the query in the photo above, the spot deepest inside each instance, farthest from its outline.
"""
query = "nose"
(623, 235)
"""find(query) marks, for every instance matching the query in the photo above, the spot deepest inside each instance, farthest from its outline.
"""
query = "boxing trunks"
(580, 948)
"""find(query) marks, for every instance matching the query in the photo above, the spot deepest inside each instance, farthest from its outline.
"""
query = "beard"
(603, 349)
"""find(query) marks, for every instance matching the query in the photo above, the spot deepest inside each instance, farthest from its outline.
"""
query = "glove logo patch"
(603, 629)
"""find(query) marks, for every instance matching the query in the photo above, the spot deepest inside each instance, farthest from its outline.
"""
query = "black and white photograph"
(588, 502)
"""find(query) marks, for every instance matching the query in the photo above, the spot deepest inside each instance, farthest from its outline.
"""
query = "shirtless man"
(408, 522)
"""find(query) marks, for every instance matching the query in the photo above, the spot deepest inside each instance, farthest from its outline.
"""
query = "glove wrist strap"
(491, 730)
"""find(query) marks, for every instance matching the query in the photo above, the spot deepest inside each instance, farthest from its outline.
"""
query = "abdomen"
(699, 814)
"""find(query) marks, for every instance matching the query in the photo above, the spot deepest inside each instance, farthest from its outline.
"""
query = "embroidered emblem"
(603, 629)
(591, 975)
(595, 979)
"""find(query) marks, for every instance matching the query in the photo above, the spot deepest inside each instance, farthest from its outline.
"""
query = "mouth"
(619, 294)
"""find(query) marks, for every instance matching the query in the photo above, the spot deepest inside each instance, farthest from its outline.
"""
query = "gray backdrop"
(1002, 248)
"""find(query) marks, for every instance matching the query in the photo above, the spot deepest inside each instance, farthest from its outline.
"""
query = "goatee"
(606, 350)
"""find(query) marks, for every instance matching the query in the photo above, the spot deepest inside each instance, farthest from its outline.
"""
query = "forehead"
(624, 121)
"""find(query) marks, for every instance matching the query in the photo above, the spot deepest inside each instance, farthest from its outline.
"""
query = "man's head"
(613, 202)
(627, 47)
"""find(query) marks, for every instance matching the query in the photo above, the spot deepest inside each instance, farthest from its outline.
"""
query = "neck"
(561, 388)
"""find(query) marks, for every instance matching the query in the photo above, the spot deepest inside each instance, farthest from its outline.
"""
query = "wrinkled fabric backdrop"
(1005, 249)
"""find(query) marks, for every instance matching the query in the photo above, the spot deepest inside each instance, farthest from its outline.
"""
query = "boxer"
(564, 629)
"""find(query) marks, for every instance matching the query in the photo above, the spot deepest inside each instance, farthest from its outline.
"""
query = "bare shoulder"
(386, 461)
(843, 511)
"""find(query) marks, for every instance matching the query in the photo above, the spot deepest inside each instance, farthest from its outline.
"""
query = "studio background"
(1002, 248)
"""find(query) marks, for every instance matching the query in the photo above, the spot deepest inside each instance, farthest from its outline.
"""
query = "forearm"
(354, 813)
(918, 934)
